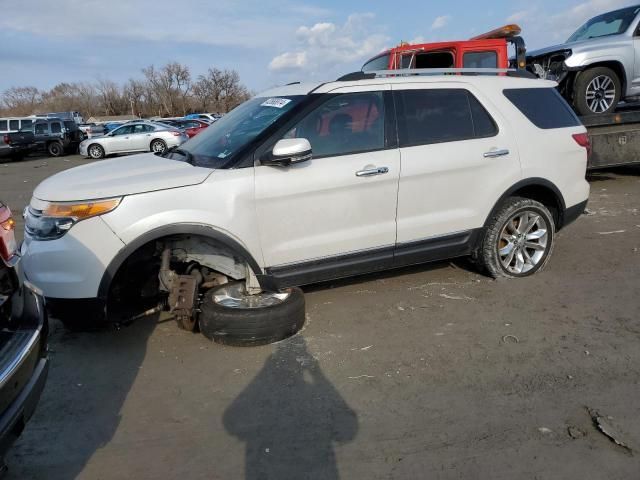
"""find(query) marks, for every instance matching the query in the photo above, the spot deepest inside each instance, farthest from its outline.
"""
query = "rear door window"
(42, 128)
(441, 115)
(544, 107)
(56, 127)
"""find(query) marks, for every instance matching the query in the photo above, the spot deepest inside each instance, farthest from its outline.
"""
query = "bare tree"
(21, 100)
(167, 90)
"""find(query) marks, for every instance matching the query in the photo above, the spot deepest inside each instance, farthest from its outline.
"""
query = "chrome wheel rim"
(523, 241)
(158, 147)
(95, 152)
(234, 295)
(600, 94)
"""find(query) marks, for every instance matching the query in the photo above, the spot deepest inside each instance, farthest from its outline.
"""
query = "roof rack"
(438, 71)
(409, 72)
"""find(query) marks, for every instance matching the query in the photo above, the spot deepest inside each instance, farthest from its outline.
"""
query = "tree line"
(166, 91)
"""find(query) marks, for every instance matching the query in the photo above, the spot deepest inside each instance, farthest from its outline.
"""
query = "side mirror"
(289, 151)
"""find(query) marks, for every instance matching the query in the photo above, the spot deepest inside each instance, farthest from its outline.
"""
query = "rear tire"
(158, 146)
(597, 91)
(243, 327)
(524, 227)
(55, 149)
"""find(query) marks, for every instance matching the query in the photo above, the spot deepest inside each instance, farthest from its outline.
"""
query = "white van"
(15, 124)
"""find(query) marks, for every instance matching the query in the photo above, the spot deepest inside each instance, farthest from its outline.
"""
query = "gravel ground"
(427, 372)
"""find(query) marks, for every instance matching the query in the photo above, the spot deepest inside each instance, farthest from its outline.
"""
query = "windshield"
(611, 23)
(217, 145)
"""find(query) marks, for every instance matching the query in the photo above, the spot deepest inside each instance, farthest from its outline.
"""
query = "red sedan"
(191, 127)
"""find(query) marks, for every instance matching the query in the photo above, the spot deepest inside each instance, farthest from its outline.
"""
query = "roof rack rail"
(439, 71)
(353, 76)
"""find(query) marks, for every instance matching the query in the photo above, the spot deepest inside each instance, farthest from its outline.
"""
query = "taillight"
(176, 134)
(583, 140)
(8, 245)
(7, 140)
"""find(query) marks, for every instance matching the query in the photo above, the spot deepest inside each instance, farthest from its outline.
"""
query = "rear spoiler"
(511, 33)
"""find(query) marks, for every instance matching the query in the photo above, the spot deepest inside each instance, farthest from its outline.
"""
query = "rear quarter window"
(544, 107)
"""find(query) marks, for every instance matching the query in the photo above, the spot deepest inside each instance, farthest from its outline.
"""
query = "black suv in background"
(57, 136)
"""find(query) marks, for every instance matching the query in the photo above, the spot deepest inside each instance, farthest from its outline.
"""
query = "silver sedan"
(134, 137)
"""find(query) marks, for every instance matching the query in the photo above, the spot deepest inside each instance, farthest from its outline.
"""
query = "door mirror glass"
(289, 151)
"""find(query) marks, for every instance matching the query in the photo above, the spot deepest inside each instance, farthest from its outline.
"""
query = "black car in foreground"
(23, 342)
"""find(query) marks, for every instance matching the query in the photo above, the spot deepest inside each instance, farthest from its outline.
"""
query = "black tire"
(488, 257)
(55, 149)
(245, 327)
(95, 151)
(158, 146)
(582, 82)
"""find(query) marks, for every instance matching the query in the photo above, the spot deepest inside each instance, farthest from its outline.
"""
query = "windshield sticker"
(276, 102)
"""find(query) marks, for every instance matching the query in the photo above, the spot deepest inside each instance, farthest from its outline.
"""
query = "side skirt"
(358, 263)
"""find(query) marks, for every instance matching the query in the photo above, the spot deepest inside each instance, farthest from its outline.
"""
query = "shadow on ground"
(290, 416)
(91, 375)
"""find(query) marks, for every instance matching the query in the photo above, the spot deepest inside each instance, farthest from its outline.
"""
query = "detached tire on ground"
(518, 239)
(231, 317)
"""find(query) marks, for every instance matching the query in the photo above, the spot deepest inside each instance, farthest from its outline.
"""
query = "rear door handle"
(370, 172)
(496, 153)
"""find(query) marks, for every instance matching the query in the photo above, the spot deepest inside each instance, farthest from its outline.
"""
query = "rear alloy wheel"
(96, 151)
(55, 149)
(232, 317)
(158, 146)
(518, 240)
(597, 91)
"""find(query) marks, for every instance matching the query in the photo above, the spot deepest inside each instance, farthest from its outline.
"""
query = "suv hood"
(120, 176)
(555, 48)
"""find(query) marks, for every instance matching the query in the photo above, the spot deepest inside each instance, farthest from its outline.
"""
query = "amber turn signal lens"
(81, 210)
(8, 224)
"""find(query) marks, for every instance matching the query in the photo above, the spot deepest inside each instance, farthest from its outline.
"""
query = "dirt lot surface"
(428, 372)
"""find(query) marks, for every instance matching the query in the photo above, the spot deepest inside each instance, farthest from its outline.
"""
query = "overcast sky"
(269, 42)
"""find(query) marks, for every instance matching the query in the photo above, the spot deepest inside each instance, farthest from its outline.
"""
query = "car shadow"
(290, 417)
(461, 263)
(90, 376)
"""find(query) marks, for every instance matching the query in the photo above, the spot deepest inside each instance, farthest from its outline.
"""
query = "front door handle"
(496, 153)
(370, 172)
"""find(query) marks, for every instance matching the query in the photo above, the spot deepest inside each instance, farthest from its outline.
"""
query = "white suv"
(307, 183)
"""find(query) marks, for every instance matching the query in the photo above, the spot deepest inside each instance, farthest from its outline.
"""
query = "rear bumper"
(14, 419)
(571, 214)
(28, 365)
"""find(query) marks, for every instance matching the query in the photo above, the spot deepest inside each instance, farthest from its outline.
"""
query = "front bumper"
(72, 266)
(26, 368)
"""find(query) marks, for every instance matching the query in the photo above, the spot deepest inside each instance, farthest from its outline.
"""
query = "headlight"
(56, 218)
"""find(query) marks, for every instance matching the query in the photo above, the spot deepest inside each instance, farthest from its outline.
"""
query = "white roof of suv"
(486, 81)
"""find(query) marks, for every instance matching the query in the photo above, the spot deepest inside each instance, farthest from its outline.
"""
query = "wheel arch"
(615, 65)
(174, 230)
(540, 190)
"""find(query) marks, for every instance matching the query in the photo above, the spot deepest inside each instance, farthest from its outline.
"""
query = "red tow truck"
(615, 138)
